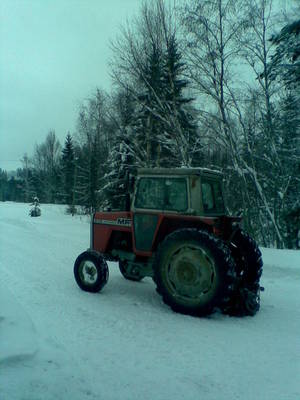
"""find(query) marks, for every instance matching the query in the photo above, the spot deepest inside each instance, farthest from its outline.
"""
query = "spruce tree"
(180, 132)
(125, 151)
(285, 62)
(68, 172)
(284, 68)
(290, 156)
(151, 107)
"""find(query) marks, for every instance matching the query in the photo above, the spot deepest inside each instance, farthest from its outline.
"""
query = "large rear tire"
(91, 271)
(249, 267)
(194, 272)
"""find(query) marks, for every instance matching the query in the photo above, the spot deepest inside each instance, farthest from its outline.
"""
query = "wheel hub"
(191, 272)
(187, 273)
(88, 272)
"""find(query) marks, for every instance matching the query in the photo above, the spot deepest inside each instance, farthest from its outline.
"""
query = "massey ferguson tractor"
(176, 231)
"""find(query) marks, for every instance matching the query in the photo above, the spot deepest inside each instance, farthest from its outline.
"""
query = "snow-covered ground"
(60, 343)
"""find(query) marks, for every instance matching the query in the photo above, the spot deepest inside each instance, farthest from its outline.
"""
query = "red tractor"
(176, 231)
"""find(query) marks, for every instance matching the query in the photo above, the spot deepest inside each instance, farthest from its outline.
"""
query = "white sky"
(53, 54)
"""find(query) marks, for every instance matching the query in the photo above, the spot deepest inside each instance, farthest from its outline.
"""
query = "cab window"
(162, 194)
(212, 197)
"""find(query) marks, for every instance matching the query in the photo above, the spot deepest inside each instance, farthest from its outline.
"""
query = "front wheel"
(91, 271)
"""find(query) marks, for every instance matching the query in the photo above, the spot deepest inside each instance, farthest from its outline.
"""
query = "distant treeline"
(207, 84)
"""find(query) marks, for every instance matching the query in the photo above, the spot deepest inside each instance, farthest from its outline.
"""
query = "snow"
(58, 342)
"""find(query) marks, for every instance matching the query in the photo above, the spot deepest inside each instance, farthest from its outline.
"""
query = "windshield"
(162, 194)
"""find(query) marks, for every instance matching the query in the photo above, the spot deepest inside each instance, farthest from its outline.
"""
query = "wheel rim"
(191, 273)
(88, 272)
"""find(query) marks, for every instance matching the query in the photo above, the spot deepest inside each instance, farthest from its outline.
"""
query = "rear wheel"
(249, 266)
(91, 271)
(193, 271)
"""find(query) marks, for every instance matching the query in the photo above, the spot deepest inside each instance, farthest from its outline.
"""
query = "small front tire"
(91, 271)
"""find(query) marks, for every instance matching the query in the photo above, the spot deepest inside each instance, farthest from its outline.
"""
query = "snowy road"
(57, 342)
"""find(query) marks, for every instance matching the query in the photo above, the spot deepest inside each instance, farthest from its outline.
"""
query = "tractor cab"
(186, 191)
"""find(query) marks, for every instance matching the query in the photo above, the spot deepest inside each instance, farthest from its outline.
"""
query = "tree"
(68, 172)
(143, 63)
(26, 174)
(289, 124)
(262, 164)
(124, 150)
(285, 62)
(3, 185)
(150, 101)
(184, 146)
(284, 68)
(93, 136)
(46, 162)
(210, 28)
(218, 36)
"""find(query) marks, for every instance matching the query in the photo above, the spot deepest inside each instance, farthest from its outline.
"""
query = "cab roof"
(179, 171)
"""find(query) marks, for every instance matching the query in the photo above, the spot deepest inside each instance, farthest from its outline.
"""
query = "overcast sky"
(53, 54)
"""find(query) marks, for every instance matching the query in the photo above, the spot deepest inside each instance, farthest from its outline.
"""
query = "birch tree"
(272, 178)
(210, 29)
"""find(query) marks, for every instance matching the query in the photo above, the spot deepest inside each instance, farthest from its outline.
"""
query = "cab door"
(144, 225)
(155, 196)
(148, 204)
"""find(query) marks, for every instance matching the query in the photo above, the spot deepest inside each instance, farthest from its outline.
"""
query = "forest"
(211, 83)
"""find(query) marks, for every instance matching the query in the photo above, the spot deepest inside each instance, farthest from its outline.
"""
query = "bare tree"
(220, 34)
(94, 139)
(46, 161)
(210, 29)
(269, 178)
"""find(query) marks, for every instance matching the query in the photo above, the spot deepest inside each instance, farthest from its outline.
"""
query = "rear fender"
(170, 223)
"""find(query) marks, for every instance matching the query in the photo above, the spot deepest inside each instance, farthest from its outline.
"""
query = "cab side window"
(212, 196)
(218, 196)
(207, 196)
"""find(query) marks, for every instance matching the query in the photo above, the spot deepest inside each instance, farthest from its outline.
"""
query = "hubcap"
(191, 272)
(88, 272)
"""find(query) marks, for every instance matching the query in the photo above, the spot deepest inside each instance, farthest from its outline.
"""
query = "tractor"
(175, 229)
